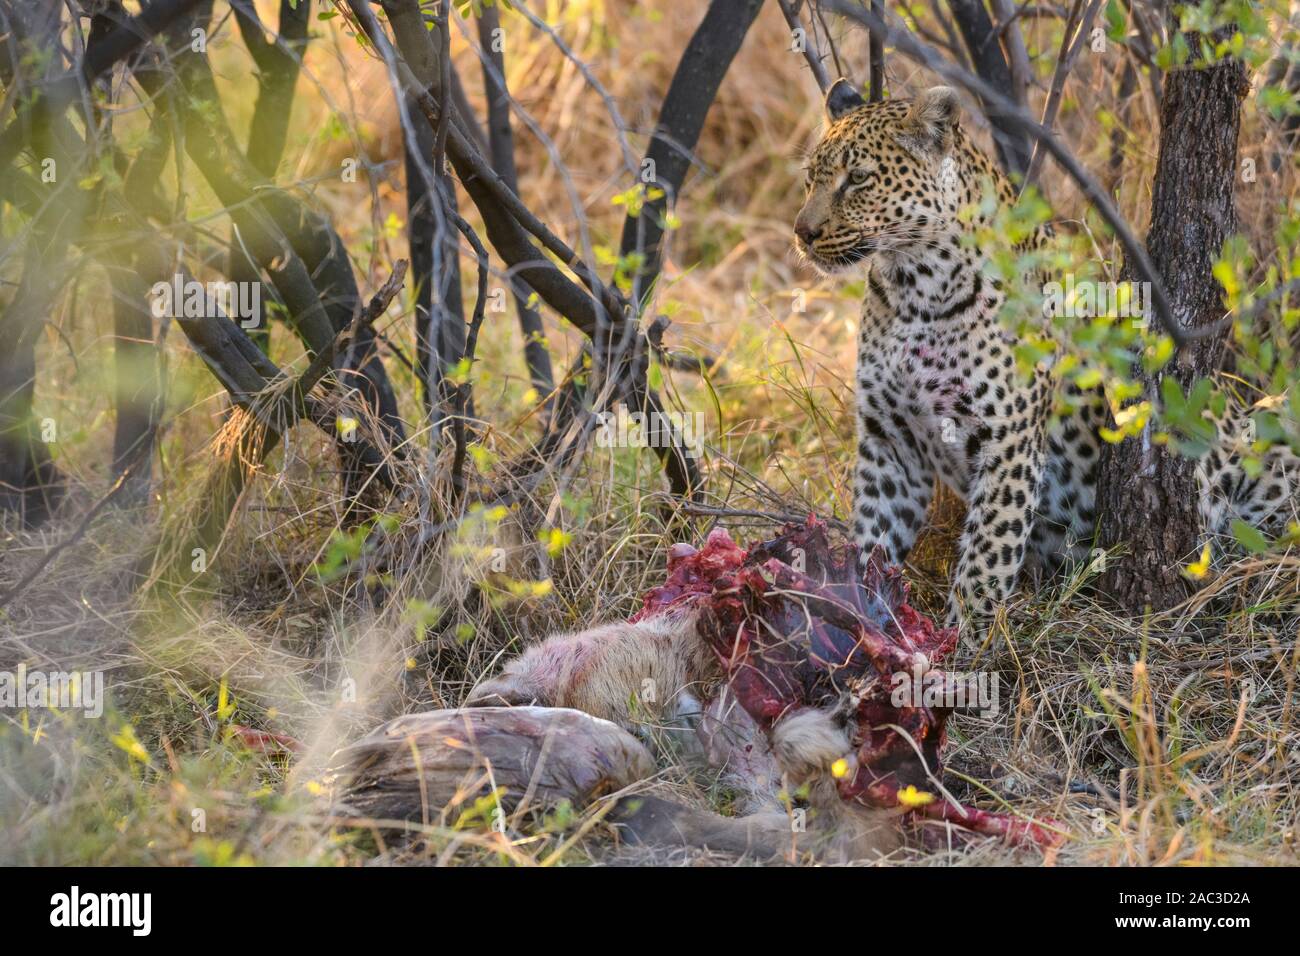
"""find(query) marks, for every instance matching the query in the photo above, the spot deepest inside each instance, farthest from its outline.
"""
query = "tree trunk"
(439, 310)
(30, 484)
(136, 388)
(501, 144)
(1147, 495)
(694, 86)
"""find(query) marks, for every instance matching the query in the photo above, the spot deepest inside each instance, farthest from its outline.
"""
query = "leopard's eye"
(859, 176)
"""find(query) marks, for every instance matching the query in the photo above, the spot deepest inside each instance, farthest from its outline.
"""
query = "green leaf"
(1249, 537)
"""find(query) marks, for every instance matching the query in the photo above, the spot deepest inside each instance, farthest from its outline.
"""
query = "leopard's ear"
(932, 121)
(842, 97)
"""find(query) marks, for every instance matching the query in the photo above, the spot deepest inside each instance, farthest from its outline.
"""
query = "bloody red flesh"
(795, 625)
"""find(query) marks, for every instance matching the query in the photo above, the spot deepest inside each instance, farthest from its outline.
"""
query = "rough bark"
(979, 35)
(1147, 497)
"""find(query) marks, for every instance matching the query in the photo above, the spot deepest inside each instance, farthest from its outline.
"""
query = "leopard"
(896, 190)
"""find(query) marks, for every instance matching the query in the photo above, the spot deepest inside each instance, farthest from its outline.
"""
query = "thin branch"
(790, 10)
(1013, 40)
(694, 86)
(1072, 41)
(611, 106)
(876, 47)
(506, 216)
(463, 391)
(55, 97)
(990, 65)
(53, 552)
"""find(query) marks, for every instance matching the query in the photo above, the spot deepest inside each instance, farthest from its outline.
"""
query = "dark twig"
(1072, 41)
(876, 47)
(55, 97)
(695, 84)
(464, 389)
(991, 67)
(790, 10)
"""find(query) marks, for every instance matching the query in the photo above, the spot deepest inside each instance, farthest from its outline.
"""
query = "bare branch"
(694, 86)
(1013, 41)
(501, 142)
(1072, 41)
(790, 10)
(876, 86)
(991, 66)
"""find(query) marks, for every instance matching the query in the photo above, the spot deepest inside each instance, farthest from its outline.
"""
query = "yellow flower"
(911, 797)
(225, 706)
(127, 741)
(1198, 569)
(840, 769)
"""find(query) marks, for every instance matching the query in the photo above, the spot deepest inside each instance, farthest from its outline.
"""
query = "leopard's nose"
(807, 233)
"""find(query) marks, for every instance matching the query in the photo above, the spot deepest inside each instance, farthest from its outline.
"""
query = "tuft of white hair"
(808, 741)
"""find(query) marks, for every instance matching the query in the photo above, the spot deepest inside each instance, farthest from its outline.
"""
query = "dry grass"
(1182, 728)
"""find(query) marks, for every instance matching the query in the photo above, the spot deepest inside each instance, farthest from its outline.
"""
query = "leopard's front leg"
(891, 491)
(1001, 504)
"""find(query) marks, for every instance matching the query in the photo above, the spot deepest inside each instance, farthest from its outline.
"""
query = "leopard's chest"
(943, 389)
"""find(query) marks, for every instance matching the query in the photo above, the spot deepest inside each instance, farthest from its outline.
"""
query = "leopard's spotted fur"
(938, 394)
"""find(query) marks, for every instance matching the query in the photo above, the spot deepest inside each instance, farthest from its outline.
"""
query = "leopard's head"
(881, 178)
